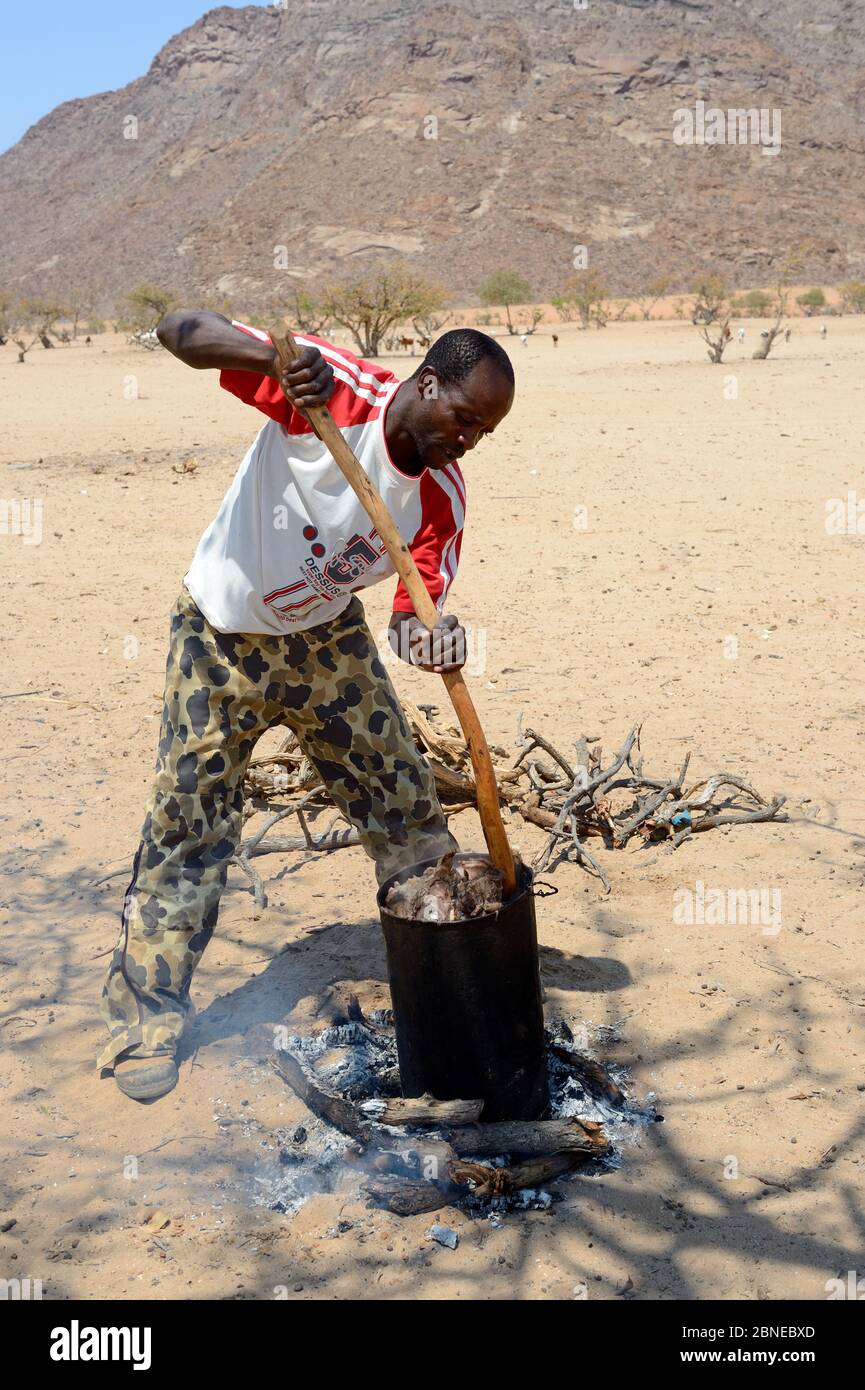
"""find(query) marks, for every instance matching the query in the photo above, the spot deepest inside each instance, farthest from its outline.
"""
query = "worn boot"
(146, 1078)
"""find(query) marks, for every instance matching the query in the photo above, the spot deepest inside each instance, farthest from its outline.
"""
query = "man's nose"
(469, 438)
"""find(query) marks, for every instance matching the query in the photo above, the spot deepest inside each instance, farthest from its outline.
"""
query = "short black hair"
(458, 352)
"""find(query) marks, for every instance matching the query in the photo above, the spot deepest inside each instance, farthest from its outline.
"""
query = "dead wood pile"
(572, 797)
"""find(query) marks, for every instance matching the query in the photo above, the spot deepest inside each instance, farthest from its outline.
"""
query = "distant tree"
(716, 335)
(756, 303)
(852, 297)
(7, 302)
(429, 326)
(564, 307)
(711, 301)
(23, 340)
(583, 297)
(80, 304)
(369, 305)
(529, 323)
(143, 307)
(45, 315)
(811, 301)
(507, 288)
(711, 315)
(302, 311)
(16, 325)
(788, 268)
(31, 321)
(648, 298)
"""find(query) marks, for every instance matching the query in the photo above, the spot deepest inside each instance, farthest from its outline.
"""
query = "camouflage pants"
(222, 692)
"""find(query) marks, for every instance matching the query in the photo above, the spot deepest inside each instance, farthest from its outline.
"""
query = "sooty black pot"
(467, 1004)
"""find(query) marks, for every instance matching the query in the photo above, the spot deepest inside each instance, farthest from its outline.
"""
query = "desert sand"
(706, 490)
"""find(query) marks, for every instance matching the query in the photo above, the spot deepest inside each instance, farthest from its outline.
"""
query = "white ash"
(291, 1172)
(360, 1064)
(364, 1064)
(494, 1208)
(355, 1063)
(571, 1098)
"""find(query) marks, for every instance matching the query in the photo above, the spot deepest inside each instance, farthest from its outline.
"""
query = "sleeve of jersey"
(256, 389)
(436, 546)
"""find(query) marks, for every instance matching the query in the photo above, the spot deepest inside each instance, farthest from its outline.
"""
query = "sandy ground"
(705, 523)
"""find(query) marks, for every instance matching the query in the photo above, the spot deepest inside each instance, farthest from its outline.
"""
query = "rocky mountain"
(462, 137)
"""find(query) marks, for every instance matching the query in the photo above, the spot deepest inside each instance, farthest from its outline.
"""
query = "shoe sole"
(148, 1083)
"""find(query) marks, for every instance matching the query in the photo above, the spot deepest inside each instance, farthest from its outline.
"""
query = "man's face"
(452, 416)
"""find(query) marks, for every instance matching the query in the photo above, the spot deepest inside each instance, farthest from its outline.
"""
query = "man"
(268, 630)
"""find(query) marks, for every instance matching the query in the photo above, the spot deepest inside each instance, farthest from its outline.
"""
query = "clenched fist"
(308, 380)
(440, 649)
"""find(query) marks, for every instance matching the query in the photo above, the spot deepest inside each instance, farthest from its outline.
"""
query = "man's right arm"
(202, 338)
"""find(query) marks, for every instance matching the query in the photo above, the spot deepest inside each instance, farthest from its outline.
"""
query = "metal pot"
(467, 1004)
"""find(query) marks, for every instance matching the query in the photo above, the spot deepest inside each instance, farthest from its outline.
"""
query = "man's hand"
(308, 380)
(441, 649)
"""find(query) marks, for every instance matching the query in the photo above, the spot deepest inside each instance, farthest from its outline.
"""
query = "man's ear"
(428, 384)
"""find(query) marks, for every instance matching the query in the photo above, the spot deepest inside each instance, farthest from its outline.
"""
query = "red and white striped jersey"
(291, 542)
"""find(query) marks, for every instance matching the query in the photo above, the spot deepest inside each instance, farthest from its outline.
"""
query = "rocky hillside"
(309, 128)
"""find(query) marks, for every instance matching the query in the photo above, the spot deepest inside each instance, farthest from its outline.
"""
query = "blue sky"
(54, 50)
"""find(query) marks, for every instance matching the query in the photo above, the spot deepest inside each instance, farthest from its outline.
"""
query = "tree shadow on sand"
(655, 1220)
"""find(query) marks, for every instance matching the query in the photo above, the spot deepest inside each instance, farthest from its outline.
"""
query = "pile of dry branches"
(573, 798)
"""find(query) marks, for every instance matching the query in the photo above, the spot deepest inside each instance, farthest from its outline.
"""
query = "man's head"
(464, 387)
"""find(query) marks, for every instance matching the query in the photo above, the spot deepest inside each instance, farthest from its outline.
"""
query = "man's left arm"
(436, 552)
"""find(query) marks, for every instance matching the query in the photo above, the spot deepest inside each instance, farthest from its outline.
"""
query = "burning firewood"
(405, 1195)
(422, 1110)
(594, 1076)
(531, 1138)
(497, 1182)
(526, 1137)
(415, 1154)
(398, 1171)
